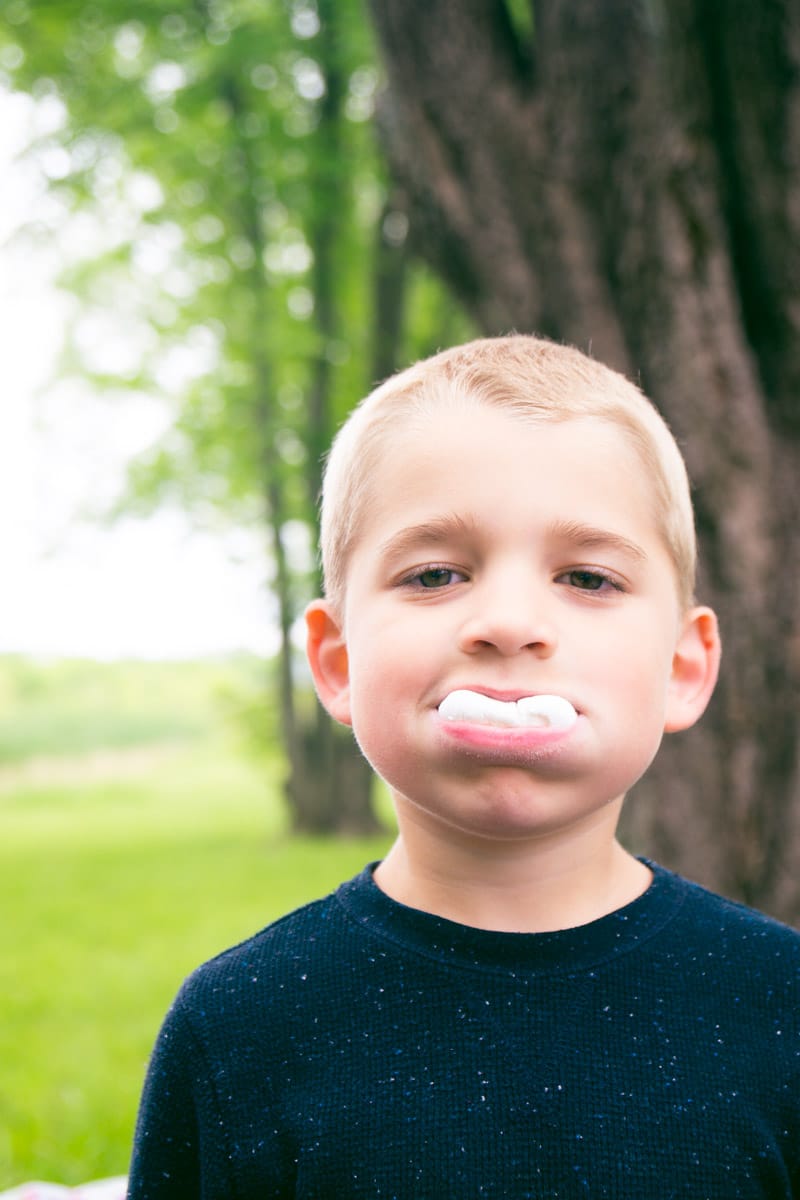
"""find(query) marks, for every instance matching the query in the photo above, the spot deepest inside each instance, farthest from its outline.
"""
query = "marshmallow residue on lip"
(529, 712)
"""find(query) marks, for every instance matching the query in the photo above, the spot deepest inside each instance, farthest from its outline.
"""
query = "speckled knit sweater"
(359, 1048)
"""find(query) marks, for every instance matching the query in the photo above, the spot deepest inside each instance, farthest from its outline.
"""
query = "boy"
(509, 1005)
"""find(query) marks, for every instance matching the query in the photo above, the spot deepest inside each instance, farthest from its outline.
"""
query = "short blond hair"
(529, 377)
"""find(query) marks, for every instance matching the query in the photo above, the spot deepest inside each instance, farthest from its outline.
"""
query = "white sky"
(151, 588)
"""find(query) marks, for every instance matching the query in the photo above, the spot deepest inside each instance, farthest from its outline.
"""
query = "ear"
(327, 657)
(695, 666)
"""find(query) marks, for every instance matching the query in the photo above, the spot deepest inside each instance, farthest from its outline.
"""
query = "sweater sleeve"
(166, 1159)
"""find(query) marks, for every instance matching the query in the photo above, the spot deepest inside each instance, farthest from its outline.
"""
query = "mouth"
(527, 712)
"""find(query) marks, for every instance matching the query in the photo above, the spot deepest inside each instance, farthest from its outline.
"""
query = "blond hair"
(531, 378)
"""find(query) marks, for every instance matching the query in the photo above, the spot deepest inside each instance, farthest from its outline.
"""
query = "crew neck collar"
(465, 946)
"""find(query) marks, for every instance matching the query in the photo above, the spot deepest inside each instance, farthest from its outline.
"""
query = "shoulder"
(720, 915)
(269, 970)
(715, 934)
(277, 949)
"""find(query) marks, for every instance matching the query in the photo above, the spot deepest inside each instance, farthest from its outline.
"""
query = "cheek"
(375, 685)
(381, 736)
(387, 683)
(387, 653)
(631, 678)
(642, 699)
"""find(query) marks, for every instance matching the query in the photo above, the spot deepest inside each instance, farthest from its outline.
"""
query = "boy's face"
(511, 560)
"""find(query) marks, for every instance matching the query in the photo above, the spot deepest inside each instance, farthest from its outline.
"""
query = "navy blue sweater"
(359, 1048)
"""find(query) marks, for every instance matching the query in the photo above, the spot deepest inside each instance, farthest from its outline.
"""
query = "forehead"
(485, 465)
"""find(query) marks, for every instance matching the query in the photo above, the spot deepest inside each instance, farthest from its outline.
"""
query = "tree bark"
(627, 178)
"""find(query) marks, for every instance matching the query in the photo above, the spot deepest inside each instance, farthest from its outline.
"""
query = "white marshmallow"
(545, 712)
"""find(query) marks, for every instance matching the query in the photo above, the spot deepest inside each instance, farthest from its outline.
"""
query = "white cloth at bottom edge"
(99, 1189)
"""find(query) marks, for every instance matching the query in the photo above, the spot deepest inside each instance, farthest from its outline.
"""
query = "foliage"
(199, 126)
(201, 132)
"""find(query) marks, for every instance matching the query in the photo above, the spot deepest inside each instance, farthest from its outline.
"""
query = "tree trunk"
(627, 178)
(328, 786)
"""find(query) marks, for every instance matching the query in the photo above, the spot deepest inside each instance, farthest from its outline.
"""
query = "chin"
(514, 811)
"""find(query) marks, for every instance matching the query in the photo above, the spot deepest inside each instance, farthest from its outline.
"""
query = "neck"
(516, 887)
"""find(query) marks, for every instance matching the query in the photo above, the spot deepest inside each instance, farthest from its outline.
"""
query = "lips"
(528, 712)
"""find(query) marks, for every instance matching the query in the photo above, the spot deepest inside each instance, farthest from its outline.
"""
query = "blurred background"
(64, 453)
(220, 224)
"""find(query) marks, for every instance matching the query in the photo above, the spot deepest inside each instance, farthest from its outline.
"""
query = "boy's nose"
(509, 625)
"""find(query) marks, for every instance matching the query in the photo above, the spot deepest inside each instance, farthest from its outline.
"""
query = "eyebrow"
(591, 538)
(433, 532)
(453, 527)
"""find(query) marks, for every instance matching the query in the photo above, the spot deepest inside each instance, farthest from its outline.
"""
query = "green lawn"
(121, 868)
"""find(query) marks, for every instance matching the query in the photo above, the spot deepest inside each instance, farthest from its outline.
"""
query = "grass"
(122, 867)
(70, 706)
